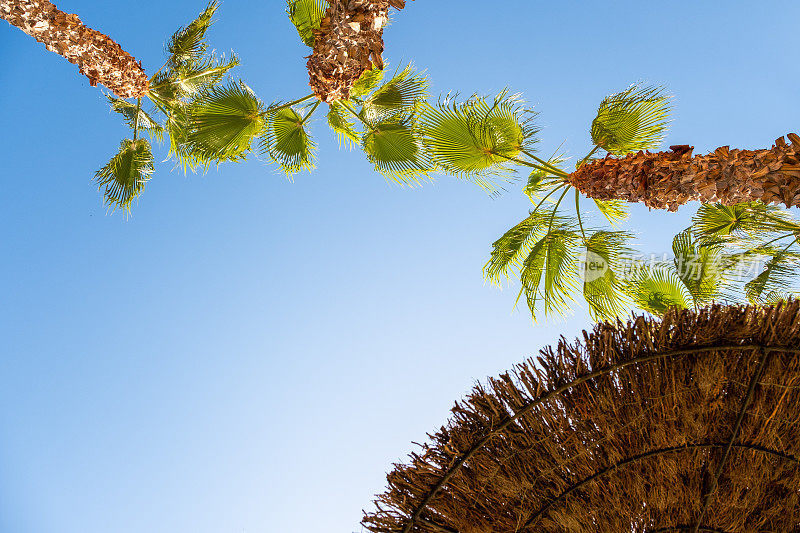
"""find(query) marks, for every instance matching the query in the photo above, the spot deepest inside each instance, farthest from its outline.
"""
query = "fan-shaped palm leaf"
(656, 289)
(397, 98)
(287, 142)
(125, 176)
(367, 83)
(306, 15)
(635, 119)
(614, 211)
(602, 287)
(510, 250)
(477, 137)
(223, 122)
(751, 220)
(700, 268)
(187, 44)
(777, 276)
(396, 151)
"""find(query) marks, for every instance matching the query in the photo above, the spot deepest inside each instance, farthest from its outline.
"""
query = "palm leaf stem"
(780, 238)
(548, 196)
(546, 164)
(308, 115)
(578, 211)
(549, 169)
(588, 156)
(347, 106)
(289, 104)
(555, 210)
(136, 122)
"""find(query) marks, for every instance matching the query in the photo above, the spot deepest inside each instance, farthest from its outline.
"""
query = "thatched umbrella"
(691, 423)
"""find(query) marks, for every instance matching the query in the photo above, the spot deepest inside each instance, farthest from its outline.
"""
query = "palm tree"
(98, 57)
(230, 123)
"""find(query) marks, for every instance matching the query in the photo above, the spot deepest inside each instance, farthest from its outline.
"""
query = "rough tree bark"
(666, 180)
(98, 57)
(349, 42)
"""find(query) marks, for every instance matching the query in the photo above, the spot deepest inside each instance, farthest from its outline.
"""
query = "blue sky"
(247, 354)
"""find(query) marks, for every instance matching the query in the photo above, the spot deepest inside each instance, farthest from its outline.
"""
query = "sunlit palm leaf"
(776, 277)
(700, 268)
(287, 142)
(554, 259)
(635, 119)
(187, 44)
(340, 121)
(223, 122)
(124, 177)
(615, 211)
(751, 220)
(306, 15)
(368, 81)
(398, 97)
(541, 182)
(130, 111)
(193, 78)
(478, 137)
(602, 287)
(656, 289)
(509, 251)
(396, 151)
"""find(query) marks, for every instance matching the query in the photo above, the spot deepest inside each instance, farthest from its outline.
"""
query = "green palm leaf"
(287, 142)
(656, 289)
(125, 176)
(396, 152)
(749, 221)
(554, 259)
(635, 119)
(306, 15)
(223, 122)
(700, 268)
(602, 287)
(367, 83)
(776, 277)
(340, 122)
(398, 98)
(509, 251)
(187, 44)
(476, 139)
(615, 211)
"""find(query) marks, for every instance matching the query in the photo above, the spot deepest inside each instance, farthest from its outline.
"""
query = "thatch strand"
(684, 424)
(98, 57)
(667, 180)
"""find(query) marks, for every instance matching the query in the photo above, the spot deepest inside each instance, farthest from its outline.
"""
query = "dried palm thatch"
(98, 57)
(691, 423)
(348, 43)
(666, 180)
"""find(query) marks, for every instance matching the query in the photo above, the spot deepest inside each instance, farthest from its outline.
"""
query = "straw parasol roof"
(691, 423)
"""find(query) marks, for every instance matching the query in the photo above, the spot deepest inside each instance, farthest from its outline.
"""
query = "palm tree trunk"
(666, 180)
(98, 57)
(349, 42)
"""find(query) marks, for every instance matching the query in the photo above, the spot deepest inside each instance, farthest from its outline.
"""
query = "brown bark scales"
(98, 57)
(666, 180)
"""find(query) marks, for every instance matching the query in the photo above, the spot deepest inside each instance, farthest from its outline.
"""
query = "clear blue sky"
(250, 355)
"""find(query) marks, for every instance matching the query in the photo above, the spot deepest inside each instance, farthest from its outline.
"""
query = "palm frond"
(777, 276)
(187, 45)
(699, 267)
(602, 286)
(635, 119)
(615, 211)
(306, 15)
(396, 152)
(554, 258)
(397, 98)
(223, 122)
(367, 83)
(478, 138)
(124, 177)
(509, 251)
(340, 122)
(287, 142)
(130, 112)
(746, 221)
(656, 289)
